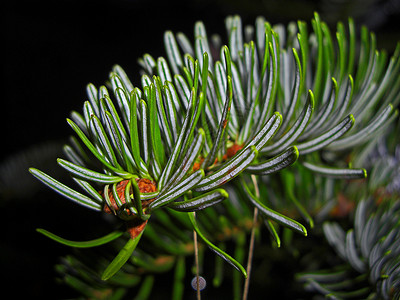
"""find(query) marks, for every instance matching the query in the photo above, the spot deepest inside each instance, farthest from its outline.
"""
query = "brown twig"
(252, 239)
(196, 255)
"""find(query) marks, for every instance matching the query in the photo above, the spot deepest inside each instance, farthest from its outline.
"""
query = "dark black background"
(51, 50)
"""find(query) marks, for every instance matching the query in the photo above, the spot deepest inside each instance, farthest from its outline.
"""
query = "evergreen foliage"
(227, 140)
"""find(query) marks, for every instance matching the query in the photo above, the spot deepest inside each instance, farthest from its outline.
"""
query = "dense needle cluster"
(208, 113)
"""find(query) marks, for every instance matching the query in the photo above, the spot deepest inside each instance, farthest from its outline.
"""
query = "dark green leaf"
(229, 170)
(177, 190)
(328, 137)
(123, 255)
(361, 136)
(95, 152)
(218, 251)
(274, 233)
(188, 162)
(90, 190)
(342, 173)
(295, 131)
(266, 132)
(82, 244)
(87, 174)
(276, 163)
(64, 190)
(271, 214)
(155, 132)
(223, 122)
(200, 202)
(121, 73)
(173, 54)
(145, 288)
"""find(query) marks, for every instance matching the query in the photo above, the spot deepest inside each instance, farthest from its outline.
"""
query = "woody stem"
(251, 246)
(196, 255)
